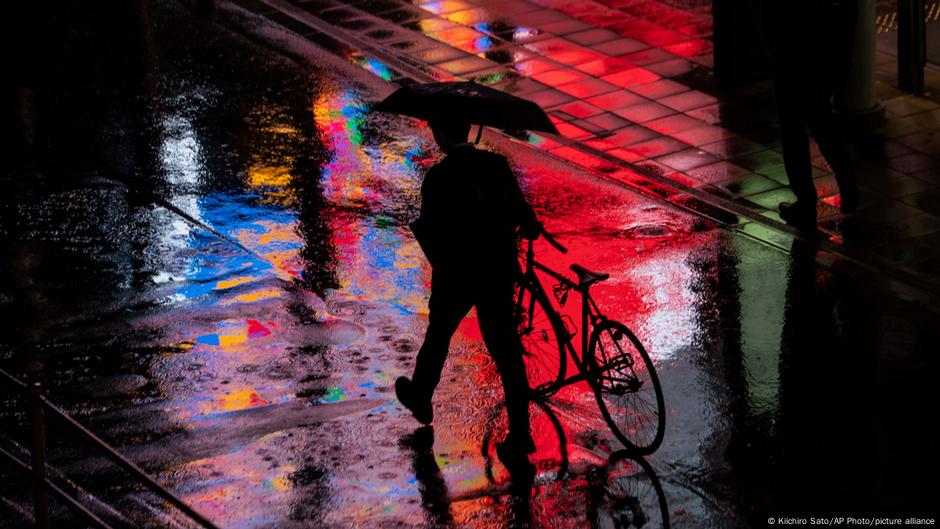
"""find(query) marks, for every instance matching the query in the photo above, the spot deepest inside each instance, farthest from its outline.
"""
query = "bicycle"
(613, 363)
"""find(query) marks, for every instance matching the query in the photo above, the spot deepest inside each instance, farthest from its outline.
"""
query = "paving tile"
(718, 172)
(549, 98)
(572, 131)
(587, 88)
(732, 147)
(564, 27)
(759, 161)
(465, 65)
(688, 159)
(446, 6)
(521, 86)
(616, 99)
(659, 89)
(555, 78)
(608, 121)
(580, 109)
(703, 135)
(927, 141)
(647, 56)
(771, 199)
(631, 135)
(748, 185)
(927, 201)
(690, 48)
(669, 125)
(574, 57)
(438, 54)
(619, 47)
(913, 163)
(908, 105)
(605, 66)
(643, 112)
(656, 147)
(625, 154)
(535, 66)
(671, 68)
(687, 100)
(888, 211)
(592, 36)
(631, 77)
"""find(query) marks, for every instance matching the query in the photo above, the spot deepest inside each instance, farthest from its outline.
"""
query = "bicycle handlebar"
(551, 240)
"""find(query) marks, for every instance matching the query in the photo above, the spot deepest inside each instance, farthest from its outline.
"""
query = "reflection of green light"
(536, 140)
(490, 78)
(375, 66)
(334, 394)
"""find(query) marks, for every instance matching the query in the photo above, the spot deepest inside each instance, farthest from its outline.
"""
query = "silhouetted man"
(471, 206)
(811, 41)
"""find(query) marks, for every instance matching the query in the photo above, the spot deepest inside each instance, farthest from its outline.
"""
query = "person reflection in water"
(811, 45)
(471, 207)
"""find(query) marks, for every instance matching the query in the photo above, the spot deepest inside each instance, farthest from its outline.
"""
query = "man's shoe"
(798, 214)
(422, 411)
(516, 459)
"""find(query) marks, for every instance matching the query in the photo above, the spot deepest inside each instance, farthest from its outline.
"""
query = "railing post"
(37, 449)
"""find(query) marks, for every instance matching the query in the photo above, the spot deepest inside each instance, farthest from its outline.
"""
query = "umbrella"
(467, 101)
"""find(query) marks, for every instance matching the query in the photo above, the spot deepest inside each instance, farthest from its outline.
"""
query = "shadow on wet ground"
(220, 282)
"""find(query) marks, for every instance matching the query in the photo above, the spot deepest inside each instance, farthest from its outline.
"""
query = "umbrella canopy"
(467, 101)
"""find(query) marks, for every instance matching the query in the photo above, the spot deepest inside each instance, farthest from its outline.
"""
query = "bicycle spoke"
(626, 389)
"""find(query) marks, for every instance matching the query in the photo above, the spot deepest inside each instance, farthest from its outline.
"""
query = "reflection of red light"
(257, 330)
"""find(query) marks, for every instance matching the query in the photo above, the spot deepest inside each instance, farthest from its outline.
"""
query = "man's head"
(448, 133)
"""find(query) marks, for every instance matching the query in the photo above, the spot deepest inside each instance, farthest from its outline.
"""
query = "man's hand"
(531, 230)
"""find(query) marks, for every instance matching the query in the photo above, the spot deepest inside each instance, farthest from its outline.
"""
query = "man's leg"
(795, 143)
(826, 133)
(448, 305)
(495, 313)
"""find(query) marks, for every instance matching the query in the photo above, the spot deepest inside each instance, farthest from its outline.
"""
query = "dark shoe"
(516, 459)
(422, 411)
(798, 214)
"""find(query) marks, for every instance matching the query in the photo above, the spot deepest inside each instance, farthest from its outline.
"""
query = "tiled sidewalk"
(631, 82)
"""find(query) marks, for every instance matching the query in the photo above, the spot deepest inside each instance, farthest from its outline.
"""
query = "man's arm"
(520, 210)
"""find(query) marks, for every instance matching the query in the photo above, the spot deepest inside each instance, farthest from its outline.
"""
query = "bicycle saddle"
(587, 278)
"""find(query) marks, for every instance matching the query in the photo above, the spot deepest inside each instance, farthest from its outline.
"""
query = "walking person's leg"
(448, 305)
(495, 313)
(796, 159)
(826, 132)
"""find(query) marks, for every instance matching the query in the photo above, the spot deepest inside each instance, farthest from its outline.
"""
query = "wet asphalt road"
(213, 264)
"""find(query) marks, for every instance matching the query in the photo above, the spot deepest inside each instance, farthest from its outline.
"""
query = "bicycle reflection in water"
(582, 480)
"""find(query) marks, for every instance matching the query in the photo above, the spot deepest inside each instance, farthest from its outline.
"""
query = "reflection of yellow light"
(282, 481)
(226, 340)
(229, 283)
(276, 176)
(255, 295)
(282, 129)
(238, 400)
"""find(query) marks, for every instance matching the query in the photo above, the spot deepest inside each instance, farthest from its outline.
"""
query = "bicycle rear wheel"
(627, 387)
(539, 330)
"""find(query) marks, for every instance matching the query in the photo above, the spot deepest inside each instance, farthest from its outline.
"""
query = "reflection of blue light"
(218, 260)
(483, 27)
(483, 43)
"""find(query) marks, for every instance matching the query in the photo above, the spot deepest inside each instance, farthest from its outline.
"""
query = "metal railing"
(37, 404)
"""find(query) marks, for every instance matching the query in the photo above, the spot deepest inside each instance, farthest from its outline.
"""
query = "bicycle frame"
(591, 316)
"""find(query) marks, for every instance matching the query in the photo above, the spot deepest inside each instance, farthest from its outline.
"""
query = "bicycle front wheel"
(544, 352)
(627, 388)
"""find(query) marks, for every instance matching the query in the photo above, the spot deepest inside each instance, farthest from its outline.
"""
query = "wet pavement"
(213, 268)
